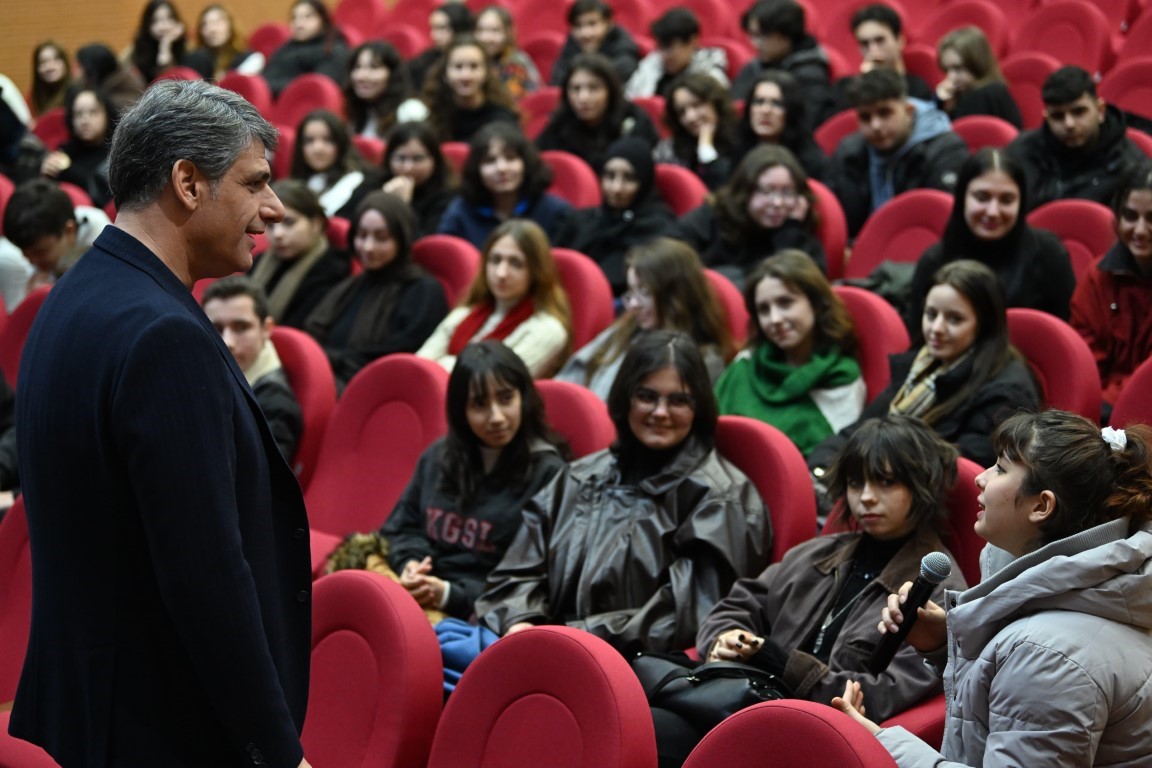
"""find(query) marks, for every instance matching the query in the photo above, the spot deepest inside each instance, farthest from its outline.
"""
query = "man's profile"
(171, 587)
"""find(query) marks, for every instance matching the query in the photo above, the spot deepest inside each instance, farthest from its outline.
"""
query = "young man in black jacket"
(1082, 150)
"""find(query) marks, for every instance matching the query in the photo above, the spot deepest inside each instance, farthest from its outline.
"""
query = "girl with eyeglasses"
(775, 114)
(636, 542)
(1110, 304)
(414, 170)
(667, 290)
(767, 206)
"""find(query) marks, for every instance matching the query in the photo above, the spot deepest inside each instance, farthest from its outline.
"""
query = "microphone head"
(935, 567)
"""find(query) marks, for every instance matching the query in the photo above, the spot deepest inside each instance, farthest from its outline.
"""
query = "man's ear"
(69, 233)
(1101, 107)
(186, 184)
(1043, 507)
(910, 108)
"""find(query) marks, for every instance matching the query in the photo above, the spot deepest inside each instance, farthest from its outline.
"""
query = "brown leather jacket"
(789, 600)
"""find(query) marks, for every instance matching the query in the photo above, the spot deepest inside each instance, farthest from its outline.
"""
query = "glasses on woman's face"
(649, 400)
(639, 297)
(779, 196)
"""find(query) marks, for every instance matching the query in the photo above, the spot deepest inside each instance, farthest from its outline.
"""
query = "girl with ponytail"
(1049, 658)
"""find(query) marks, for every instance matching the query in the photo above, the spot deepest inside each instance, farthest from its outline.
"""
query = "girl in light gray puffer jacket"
(1049, 658)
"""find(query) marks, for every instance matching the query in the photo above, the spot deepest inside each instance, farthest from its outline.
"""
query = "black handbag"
(705, 694)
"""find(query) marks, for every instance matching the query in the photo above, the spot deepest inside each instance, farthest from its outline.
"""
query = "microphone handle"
(917, 596)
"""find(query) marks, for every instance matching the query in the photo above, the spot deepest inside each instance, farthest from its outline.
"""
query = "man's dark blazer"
(170, 568)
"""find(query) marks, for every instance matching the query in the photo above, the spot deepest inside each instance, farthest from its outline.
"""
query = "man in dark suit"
(171, 589)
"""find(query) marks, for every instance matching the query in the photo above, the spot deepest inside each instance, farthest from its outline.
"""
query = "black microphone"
(934, 568)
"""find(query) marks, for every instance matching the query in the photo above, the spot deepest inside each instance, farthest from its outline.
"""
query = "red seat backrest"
(900, 230)
(15, 597)
(589, 294)
(254, 88)
(835, 129)
(51, 128)
(831, 228)
(979, 131)
(1075, 32)
(304, 94)
(578, 415)
(451, 260)
(311, 378)
(1060, 359)
(731, 303)
(1084, 226)
(1026, 72)
(572, 178)
(376, 682)
(15, 332)
(1134, 406)
(679, 188)
(880, 332)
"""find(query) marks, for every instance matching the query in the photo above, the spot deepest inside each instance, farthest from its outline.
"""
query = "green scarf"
(761, 385)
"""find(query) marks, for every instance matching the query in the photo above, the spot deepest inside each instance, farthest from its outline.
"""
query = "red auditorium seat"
(731, 302)
(1085, 227)
(337, 233)
(15, 331)
(304, 94)
(413, 13)
(831, 228)
(1060, 359)
(282, 158)
(654, 106)
(735, 49)
(1134, 406)
(1026, 72)
(546, 692)
(311, 378)
(1142, 141)
(266, 38)
(979, 131)
(1129, 86)
(775, 466)
(880, 332)
(390, 412)
(679, 188)
(254, 88)
(986, 15)
(835, 129)
(455, 154)
(537, 107)
(409, 41)
(77, 195)
(361, 14)
(451, 260)
(900, 230)
(1138, 39)
(371, 149)
(544, 48)
(1075, 32)
(51, 128)
(925, 720)
(589, 294)
(7, 187)
(572, 178)
(578, 415)
(795, 733)
(377, 677)
(920, 60)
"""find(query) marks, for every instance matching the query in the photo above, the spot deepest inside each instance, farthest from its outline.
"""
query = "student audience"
(503, 178)
(988, 225)
(677, 36)
(51, 234)
(83, 158)
(160, 40)
(1049, 655)
(593, 113)
(636, 542)
(1111, 301)
(1081, 150)
(325, 159)
(415, 171)
(798, 372)
(376, 95)
(767, 206)
(463, 92)
(631, 213)
(775, 114)
(516, 298)
(776, 29)
(499, 452)
(300, 266)
(964, 377)
(444, 24)
(699, 114)
(591, 30)
(496, 31)
(221, 47)
(238, 308)
(972, 83)
(667, 290)
(391, 306)
(902, 144)
(51, 77)
(316, 45)
(811, 618)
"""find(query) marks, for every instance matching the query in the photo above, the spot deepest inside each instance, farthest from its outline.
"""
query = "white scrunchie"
(1115, 438)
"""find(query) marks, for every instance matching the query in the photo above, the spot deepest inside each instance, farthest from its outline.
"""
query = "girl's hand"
(931, 629)
(401, 186)
(851, 703)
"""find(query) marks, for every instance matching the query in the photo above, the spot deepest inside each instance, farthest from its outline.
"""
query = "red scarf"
(479, 315)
